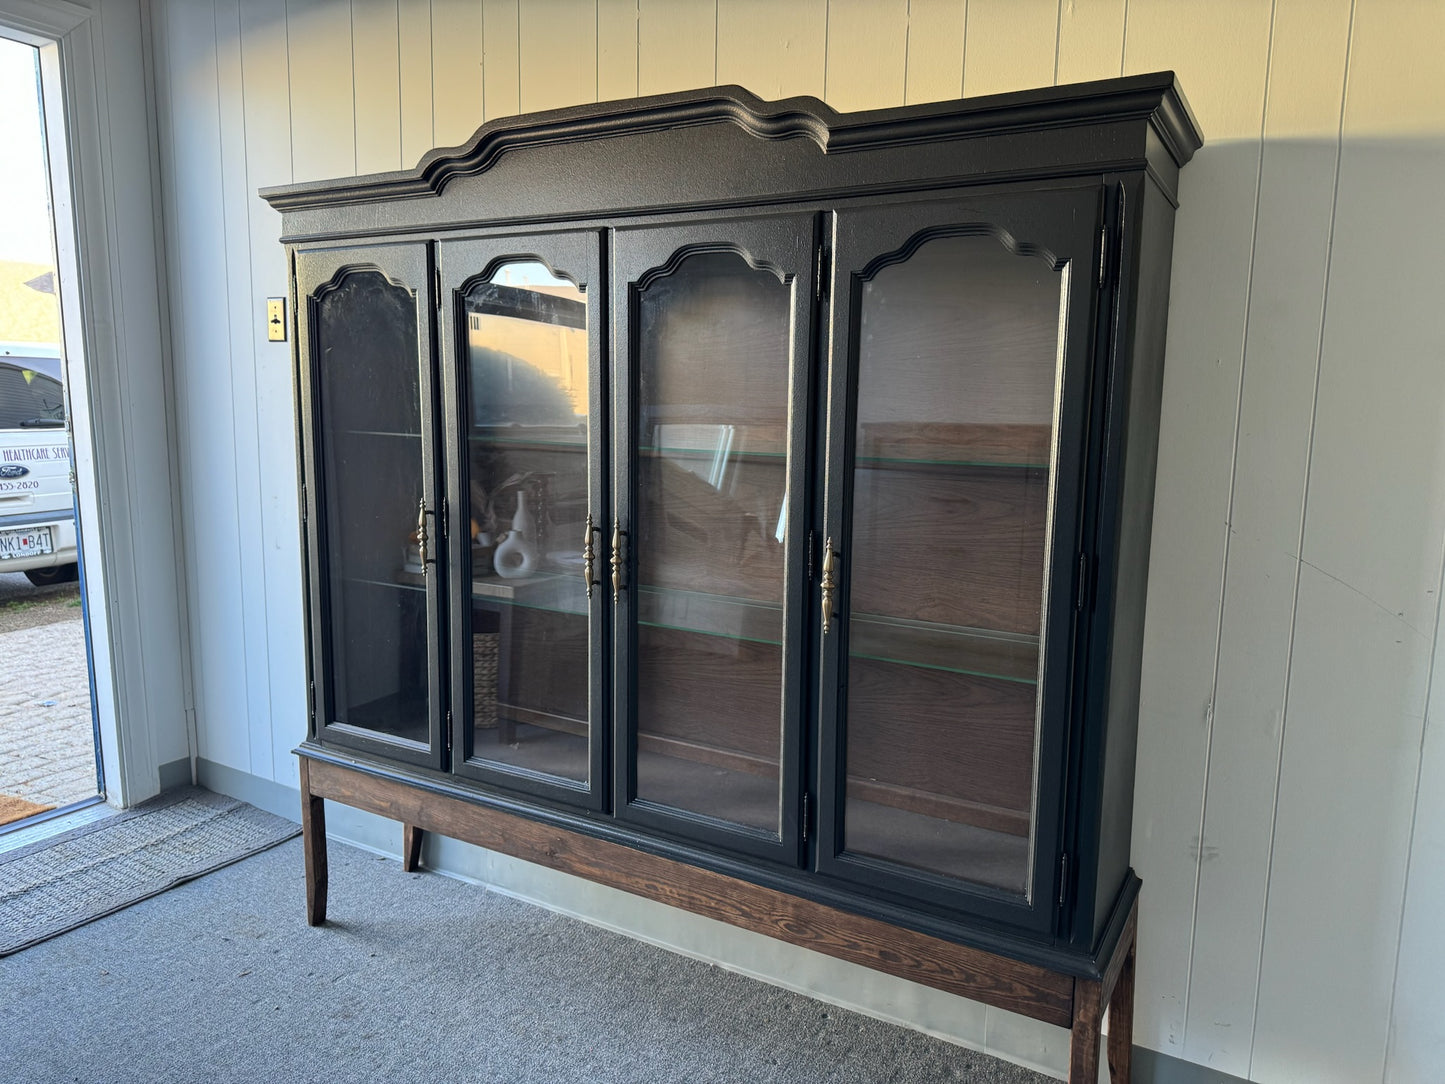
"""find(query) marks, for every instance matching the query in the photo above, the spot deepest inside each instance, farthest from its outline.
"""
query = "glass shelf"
(379, 433)
(878, 462)
(984, 653)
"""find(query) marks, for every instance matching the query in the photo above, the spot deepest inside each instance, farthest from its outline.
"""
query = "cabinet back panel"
(979, 530)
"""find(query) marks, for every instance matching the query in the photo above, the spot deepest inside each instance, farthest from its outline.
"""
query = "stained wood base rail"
(1054, 997)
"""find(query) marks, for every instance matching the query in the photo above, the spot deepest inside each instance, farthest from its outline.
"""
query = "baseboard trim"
(264, 794)
(176, 774)
(587, 903)
(1152, 1067)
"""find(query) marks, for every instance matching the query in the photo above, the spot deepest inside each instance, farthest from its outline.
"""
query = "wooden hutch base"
(1070, 1001)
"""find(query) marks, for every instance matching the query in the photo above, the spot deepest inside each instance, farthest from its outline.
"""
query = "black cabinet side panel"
(1154, 228)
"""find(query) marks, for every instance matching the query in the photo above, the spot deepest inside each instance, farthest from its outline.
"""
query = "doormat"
(79, 876)
(17, 809)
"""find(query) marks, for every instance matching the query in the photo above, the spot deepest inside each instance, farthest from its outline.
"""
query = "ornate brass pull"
(589, 555)
(616, 558)
(421, 534)
(829, 585)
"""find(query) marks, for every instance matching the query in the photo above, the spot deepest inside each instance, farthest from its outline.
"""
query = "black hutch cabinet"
(748, 505)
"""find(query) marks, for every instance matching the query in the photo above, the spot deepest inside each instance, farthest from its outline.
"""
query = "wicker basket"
(484, 679)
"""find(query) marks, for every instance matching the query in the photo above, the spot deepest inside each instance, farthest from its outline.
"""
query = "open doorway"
(49, 752)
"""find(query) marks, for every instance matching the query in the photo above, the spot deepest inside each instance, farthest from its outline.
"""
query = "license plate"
(26, 542)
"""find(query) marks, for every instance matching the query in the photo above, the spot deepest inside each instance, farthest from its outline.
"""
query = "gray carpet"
(109, 864)
(417, 977)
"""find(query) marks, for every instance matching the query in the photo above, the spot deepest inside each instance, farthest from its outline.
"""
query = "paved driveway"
(47, 750)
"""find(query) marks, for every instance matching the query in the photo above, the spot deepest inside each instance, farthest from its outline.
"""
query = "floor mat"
(17, 809)
(74, 878)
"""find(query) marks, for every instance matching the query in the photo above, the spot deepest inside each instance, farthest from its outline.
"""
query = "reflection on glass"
(370, 433)
(527, 431)
(712, 459)
(956, 400)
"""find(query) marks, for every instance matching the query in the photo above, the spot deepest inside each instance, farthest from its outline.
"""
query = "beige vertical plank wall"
(1290, 770)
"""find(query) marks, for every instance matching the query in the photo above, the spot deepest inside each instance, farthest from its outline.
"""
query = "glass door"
(374, 552)
(706, 549)
(521, 320)
(964, 330)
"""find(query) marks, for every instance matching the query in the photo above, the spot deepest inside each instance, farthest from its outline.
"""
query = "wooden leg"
(313, 841)
(1084, 1040)
(411, 837)
(1121, 1023)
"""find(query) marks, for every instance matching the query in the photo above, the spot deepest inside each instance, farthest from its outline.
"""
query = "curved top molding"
(1007, 241)
(345, 271)
(1155, 98)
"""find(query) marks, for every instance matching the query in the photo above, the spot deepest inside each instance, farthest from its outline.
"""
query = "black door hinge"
(437, 286)
(1063, 878)
(305, 514)
(820, 273)
(446, 517)
(1103, 254)
(807, 815)
(1085, 582)
(812, 548)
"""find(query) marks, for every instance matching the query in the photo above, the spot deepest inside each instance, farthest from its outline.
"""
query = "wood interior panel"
(951, 735)
(979, 530)
(546, 658)
(710, 690)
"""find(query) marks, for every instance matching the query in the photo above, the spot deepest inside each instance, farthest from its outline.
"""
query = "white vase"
(516, 556)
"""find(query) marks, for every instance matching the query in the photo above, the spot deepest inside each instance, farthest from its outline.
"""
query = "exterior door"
(374, 557)
(522, 320)
(707, 544)
(963, 333)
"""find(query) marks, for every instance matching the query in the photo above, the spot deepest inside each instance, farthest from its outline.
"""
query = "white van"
(37, 504)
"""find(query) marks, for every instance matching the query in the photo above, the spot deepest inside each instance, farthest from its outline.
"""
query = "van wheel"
(45, 577)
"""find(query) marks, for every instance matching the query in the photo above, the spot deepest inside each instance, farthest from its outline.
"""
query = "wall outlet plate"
(276, 319)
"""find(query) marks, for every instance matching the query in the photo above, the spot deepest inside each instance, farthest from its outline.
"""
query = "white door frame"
(95, 86)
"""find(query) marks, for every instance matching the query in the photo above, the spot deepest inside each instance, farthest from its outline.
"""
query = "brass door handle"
(421, 534)
(829, 584)
(589, 555)
(616, 558)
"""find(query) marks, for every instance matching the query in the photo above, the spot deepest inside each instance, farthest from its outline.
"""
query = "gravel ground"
(23, 605)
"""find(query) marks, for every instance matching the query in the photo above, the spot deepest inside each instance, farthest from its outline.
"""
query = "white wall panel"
(323, 95)
(1416, 1048)
(935, 50)
(775, 51)
(501, 75)
(233, 326)
(1091, 40)
(265, 77)
(867, 53)
(376, 82)
(676, 45)
(1010, 45)
(1346, 796)
(414, 75)
(198, 287)
(617, 27)
(558, 54)
(456, 58)
(1286, 822)
(1214, 237)
(1276, 415)
(1373, 527)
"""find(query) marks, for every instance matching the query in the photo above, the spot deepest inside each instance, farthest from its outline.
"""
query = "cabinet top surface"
(1122, 123)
